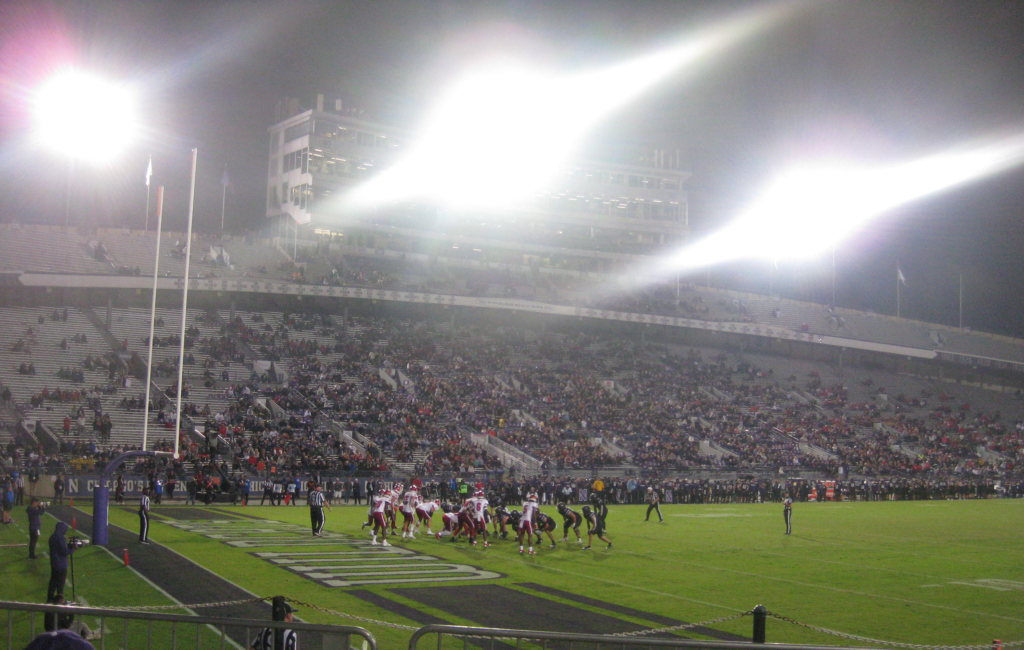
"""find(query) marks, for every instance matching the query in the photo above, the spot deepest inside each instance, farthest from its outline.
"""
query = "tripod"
(72, 562)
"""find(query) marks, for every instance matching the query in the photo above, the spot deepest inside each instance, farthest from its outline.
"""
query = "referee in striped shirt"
(316, 509)
(144, 517)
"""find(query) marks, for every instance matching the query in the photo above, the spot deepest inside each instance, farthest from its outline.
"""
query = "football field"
(924, 572)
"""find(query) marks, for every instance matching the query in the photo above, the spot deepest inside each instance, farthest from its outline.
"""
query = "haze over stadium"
(655, 273)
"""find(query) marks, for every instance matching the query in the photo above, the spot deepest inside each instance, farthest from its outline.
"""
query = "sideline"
(152, 584)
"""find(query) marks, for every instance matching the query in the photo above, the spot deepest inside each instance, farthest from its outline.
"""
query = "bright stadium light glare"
(503, 130)
(84, 117)
(809, 210)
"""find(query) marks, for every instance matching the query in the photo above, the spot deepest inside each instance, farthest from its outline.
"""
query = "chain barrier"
(893, 644)
(682, 626)
(637, 633)
(157, 608)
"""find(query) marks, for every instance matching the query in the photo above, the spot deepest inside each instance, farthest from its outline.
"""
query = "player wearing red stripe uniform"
(526, 522)
(425, 513)
(381, 504)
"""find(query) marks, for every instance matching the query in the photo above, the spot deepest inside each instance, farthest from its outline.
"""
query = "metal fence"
(120, 628)
(504, 639)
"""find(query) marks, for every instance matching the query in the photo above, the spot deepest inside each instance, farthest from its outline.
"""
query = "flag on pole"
(225, 180)
(899, 276)
(149, 171)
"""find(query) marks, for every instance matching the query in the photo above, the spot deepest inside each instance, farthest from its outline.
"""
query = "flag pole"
(897, 288)
(149, 174)
(961, 299)
(152, 309)
(223, 199)
(184, 304)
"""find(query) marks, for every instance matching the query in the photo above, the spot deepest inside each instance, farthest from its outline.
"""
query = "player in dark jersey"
(545, 524)
(499, 521)
(595, 526)
(570, 519)
(512, 521)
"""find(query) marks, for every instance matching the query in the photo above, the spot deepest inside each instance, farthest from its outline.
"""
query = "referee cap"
(288, 609)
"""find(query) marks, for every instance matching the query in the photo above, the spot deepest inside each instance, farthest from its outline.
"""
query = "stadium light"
(84, 117)
(503, 130)
(810, 209)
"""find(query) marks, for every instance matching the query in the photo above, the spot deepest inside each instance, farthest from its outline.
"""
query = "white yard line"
(826, 587)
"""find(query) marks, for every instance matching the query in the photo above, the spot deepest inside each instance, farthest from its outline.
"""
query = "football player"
(381, 503)
(570, 519)
(425, 513)
(526, 521)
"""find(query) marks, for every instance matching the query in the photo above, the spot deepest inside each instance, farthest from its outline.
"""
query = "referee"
(144, 517)
(787, 513)
(316, 509)
(287, 641)
(653, 500)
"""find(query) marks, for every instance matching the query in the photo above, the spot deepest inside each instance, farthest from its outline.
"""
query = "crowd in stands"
(409, 393)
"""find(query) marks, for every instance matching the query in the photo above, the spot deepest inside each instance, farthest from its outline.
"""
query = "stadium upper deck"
(124, 259)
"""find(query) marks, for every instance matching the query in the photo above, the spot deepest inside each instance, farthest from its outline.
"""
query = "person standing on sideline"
(35, 524)
(58, 490)
(19, 489)
(316, 502)
(653, 501)
(144, 517)
(787, 514)
(59, 554)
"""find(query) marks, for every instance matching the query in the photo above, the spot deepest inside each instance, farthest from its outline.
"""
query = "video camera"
(76, 542)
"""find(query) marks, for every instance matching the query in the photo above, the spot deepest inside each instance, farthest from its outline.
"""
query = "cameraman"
(35, 525)
(59, 554)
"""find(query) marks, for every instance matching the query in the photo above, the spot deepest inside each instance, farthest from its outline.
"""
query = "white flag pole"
(961, 299)
(898, 272)
(223, 198)
(152, 309)
(184, 303)
(149, 174)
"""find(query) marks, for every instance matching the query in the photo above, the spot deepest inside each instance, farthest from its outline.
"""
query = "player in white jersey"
(425, 513)
(477, 507)
(449, 524)
(392, 510)
(526, 522)
(409, 503)
(381, 504)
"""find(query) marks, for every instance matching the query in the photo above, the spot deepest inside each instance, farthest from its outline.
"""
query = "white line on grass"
(156, 586)
(849, 564)
(628, 586)
(898, 552)
(820, 586)
(172, 598)
(931, 540)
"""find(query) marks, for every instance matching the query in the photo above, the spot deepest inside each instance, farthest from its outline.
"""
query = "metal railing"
(176, 629)
(492, 639)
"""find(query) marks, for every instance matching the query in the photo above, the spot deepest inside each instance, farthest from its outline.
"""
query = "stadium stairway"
(48, 358)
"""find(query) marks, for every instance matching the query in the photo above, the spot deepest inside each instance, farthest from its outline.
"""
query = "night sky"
(889, 79)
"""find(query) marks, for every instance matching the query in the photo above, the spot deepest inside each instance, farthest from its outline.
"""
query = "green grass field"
(938, 572)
